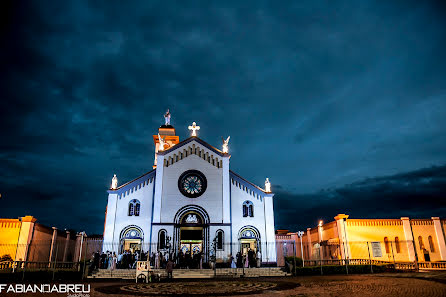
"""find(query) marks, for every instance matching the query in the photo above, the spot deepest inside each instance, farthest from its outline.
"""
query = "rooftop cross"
(194, 129)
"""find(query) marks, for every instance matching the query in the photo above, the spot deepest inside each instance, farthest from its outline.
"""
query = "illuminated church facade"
(190, 201)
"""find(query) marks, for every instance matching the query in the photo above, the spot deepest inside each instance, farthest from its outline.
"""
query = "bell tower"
(168, 137)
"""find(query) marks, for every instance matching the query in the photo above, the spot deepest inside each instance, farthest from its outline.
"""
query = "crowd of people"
(160, 260)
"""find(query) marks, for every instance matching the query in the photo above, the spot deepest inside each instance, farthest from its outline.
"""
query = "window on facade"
(137, 207)
(387, 245)
(420, 242)
(431, 244)
(220, 239)
(162, 239)
(397, 245)
(248, 209)
(134, 207)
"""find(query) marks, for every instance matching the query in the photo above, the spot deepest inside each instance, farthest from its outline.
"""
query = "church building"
(191, 201)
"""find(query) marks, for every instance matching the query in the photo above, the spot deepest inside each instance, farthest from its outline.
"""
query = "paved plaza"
(397, 284)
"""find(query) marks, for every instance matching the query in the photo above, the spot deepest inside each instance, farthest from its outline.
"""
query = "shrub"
(6, 257)
(290, 260)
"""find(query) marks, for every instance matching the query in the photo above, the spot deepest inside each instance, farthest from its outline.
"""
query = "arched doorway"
(249, 239)
(131, 239)
(191, 232)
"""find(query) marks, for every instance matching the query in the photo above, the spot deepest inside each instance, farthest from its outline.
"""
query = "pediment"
(193, 146)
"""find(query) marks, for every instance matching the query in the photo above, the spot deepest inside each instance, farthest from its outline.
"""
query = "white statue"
(167, 118)
(267, 185)
(194, 129)
(162, 143)
(225, 144)
(114, 184)
(191, 219)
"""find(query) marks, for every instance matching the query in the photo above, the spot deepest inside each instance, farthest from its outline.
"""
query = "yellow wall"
(361, 232)
(425, 228)
(9, 236)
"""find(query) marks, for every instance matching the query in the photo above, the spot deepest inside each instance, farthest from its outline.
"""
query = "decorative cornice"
(131, 183)
(246, 182)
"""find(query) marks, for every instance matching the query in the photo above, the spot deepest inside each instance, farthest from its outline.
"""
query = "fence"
(65, 254)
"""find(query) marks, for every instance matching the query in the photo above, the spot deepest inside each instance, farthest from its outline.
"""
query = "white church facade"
(190, 201)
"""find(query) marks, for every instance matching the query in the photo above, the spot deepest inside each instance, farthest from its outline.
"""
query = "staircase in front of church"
(193, 273)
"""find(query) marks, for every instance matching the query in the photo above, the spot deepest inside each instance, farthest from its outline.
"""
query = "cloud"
(417, 194)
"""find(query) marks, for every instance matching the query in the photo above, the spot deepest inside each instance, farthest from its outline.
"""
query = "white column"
(65, 250)
(270, 234)
(342, 232)
(409, 238)
(156, 216)
(25, 236)
(110, 219)
(226, 188)
(440, 237)
(53, 240)
(319, 232)
(310, 248)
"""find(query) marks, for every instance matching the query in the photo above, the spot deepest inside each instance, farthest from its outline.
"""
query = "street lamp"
(301, 234)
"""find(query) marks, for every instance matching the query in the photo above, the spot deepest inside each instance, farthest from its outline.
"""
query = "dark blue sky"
(342, 105)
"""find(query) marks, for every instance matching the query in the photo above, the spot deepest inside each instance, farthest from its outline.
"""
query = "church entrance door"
(248, 244)
(191, 231)
(191, 239)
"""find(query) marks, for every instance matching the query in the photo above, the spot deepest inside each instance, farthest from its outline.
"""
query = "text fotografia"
(45, 288)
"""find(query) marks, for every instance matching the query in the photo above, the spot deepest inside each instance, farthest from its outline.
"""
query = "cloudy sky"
(342, 105)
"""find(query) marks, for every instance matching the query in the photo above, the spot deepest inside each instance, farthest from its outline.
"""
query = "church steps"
(194, 273)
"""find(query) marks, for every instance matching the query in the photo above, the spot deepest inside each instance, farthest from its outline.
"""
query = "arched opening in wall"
(397, 245)
(162, 235)
(131, 238)
(387, 245)
(191, 232)
(423, 249)
(249, 241)
(431, 244)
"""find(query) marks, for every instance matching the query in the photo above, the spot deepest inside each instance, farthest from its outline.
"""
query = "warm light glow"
(162, 143)
(267, 185)
(114, 184)
(225, 144)
(194, 129)
(320, 223)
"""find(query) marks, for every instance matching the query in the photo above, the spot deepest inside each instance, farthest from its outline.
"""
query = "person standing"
(157, 260)
(169, 268)
(239, 260)
(232, 262)
(259, 259)
(114, 261)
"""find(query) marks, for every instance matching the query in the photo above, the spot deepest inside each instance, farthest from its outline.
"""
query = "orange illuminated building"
(391, 240)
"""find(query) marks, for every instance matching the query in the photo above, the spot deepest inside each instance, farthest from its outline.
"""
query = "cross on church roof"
(194, 129)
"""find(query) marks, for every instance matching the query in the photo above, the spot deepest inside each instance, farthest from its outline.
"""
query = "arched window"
(248, 209)
(387, 245)
(220, 238)
(134, 207)
(137, 207)
(431, 244)
(397, 245)
(420, 242)
(162, 239)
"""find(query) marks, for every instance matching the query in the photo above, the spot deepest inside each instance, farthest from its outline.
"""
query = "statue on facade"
(162, 143)
(267, 185)
(167, 118)
(225, 144)
(114, 184)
